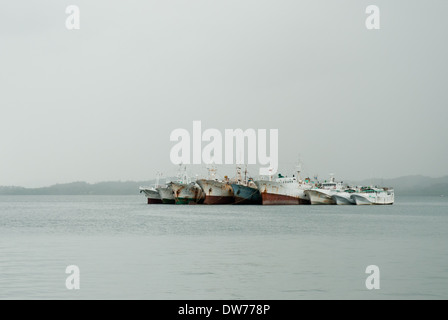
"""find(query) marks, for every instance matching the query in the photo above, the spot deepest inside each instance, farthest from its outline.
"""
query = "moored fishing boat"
(323, 193)
(151, 193)
(166, 194)
(246, 194)
(216, 191)
(245, 191)
(284, 190)
(344, 197)
(184, 190)
(374, 196)
(187, 193)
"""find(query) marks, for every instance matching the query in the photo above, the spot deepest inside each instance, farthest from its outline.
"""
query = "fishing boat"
(166, 194)
(344, 197)
(151, 193)
(245, 190)
(374, 195)
(184, 189)
(284, 190)
(187, 193)
(216, 191)
(323, 193)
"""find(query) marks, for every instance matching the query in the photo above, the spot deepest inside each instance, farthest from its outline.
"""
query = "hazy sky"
(100, 103)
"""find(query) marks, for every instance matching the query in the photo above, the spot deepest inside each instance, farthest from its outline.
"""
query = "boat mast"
(298, 170)
(270, 173)
(158, 175)
(211, 172)
(298, 167)
(182, 174)
(239, 177)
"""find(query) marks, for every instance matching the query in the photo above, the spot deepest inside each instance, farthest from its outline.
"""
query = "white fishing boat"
(186, 190)
(166, 194)
(324, 192)
(344, 197)
(284, 190)
(216, 191)
(151, 193)
(377, 196)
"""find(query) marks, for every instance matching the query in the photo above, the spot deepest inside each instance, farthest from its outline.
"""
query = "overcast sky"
(99, 103)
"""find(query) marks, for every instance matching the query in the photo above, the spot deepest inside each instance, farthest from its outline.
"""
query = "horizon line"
(153, 179)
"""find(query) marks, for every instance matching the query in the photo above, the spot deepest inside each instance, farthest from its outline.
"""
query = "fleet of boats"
(280, 190)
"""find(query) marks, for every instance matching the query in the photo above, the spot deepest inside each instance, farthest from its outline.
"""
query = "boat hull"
(372, 199)
(186, 200)
(343, 200)
(269, 199)
(277, 193)
(246, 195)
(216, 192)
(361, 200)
(166, 195)
(154, 201)
(152, 195)
(320, 197)
(187, 193)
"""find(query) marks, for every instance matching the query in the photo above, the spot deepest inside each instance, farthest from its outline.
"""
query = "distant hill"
(408, 185)
(81, 188)
(412, 185)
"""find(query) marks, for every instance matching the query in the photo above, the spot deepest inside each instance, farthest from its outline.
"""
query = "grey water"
(126, 249)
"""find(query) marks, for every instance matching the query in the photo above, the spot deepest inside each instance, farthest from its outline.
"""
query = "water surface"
(126, 249)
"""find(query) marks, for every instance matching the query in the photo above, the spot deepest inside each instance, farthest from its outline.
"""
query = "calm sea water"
(126, 249)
